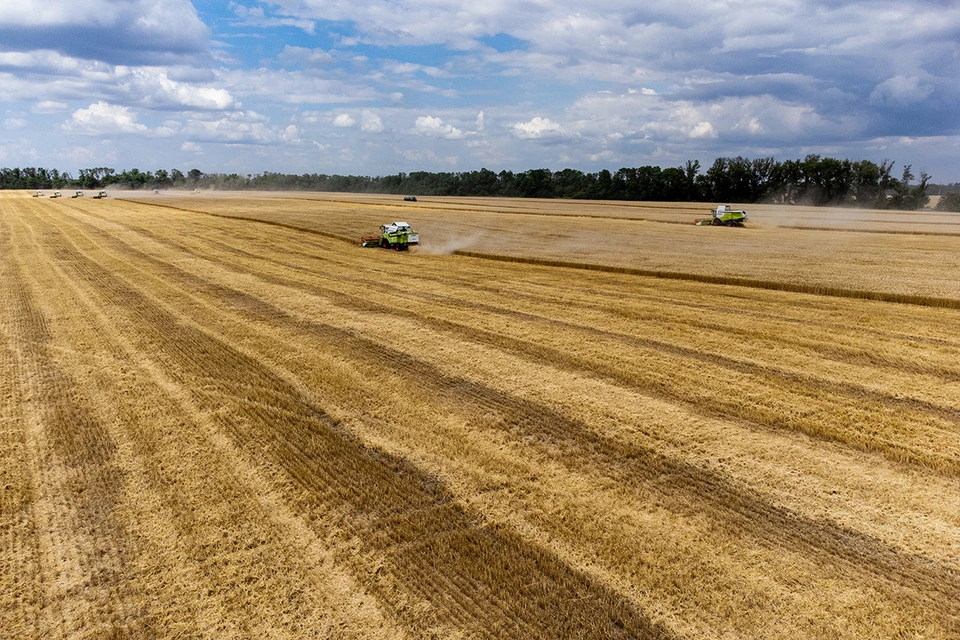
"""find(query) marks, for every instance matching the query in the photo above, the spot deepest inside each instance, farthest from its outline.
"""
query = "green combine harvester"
(396, 235)
(724, 215)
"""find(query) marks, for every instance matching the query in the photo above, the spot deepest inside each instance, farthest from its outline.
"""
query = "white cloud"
(102, 118)
(537, 128)
(304, 56)
(900, 91)
(344, 120)
(435, 127)
(703, 129)
(49, 106)
(113, 30)
(164, 91)
(370, 122)
(14, 123)
(256, 17)
(237, 127)
(191, 147)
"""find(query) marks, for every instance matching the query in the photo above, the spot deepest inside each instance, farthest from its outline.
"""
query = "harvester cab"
(396, 235)
(724, 215)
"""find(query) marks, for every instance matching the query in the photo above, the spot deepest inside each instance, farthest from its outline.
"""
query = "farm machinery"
(396, 235)
(724, 215)
(78, 194)
(100, 194)
(56, 194)
(38, 194)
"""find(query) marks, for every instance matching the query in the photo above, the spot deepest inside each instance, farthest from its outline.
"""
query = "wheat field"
(222, 418)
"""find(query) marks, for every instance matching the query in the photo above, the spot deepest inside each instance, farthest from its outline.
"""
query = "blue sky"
(379, 87)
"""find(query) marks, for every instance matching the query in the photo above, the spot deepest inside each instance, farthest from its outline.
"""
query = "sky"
(378, 87)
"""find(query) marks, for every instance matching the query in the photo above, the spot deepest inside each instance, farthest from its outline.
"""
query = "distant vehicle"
(396, 235)
(724, 215)
(38, 194)
(100, 194)
(78, 194)
(56, 194)
(410, 198)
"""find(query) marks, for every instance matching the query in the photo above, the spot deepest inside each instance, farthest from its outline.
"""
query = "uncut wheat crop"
(221, 417)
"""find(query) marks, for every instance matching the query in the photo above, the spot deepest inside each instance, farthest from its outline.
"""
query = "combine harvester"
(724, 215)
(38, 194)
(78, 194)
(100, 194)
(56, 194)
(396, 235)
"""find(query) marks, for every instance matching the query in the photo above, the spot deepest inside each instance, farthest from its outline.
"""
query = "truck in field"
(395, 235)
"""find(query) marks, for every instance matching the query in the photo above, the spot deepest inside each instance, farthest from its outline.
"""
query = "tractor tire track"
(84, 547)
(376, 496)
(577, 446)
(843, 396)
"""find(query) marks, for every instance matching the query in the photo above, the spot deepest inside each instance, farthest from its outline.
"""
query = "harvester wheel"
(716, 222)
(385, 244)
(729, 223)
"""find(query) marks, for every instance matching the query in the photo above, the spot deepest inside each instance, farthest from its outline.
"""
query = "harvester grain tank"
(396, 235)
(724, 215)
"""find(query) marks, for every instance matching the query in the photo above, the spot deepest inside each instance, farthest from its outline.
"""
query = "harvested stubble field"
(216, 427)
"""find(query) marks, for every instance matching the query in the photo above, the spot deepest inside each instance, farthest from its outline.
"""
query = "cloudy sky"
(375, 87)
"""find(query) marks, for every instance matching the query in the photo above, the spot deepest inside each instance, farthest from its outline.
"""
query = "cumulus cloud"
(900, 91)
(437, 128)
(239, 127)
(537, 128)
(370, 122)
(344, 120)
(102, 118)
(156, 89)
(117, 31)
(703, 130)
(305, 57)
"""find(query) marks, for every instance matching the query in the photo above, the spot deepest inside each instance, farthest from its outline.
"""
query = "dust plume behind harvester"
(395, 235)
(724, 215)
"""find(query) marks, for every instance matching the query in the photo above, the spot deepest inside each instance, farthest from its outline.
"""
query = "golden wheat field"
(552, 420)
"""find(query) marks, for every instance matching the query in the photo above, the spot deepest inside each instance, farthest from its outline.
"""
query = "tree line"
(814, 180)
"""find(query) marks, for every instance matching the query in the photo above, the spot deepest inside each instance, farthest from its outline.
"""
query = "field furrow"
(278, 434)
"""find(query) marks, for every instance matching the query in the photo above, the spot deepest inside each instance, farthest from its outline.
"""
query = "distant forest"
(815, 180)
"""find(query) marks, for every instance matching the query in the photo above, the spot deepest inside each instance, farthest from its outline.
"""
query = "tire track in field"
(847, 395)
(83, 562)
(238, 559)
(821, 387)
(578, 447)
(20, 586)
(736, 281)
(435, 549)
